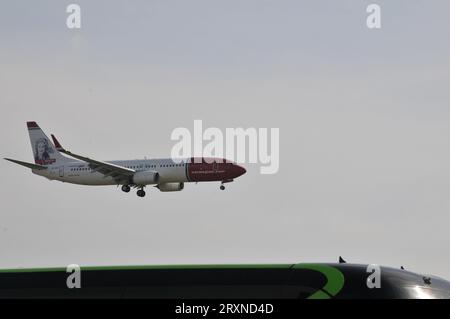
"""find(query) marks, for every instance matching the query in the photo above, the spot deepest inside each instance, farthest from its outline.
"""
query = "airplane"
(166, 174)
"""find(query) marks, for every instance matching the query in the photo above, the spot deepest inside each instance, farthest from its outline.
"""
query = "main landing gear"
(127, 188)
(140, 193)
(222, 187)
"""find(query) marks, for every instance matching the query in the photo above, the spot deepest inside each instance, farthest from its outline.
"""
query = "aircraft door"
(61, 171)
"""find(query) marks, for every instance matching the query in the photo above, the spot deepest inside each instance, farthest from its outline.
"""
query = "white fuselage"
(78, 172)
(54, 162)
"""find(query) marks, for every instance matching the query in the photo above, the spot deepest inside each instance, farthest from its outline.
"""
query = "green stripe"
(335, 280)
(150, 267)
(319, 295)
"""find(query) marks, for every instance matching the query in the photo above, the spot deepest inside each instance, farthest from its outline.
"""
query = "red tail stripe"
(32, 125)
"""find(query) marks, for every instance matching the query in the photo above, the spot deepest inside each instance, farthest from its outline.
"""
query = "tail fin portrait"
(44, 152)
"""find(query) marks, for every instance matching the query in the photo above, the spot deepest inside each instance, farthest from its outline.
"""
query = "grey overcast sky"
(364, 118)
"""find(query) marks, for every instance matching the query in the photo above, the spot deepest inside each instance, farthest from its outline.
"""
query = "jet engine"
(145, 177)
(170, 187)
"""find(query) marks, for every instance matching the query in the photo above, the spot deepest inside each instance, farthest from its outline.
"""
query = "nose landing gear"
(222, 187)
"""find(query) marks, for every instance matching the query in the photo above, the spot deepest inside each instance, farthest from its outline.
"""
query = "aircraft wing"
(119, 173)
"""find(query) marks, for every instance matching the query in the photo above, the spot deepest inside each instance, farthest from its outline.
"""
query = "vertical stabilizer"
(44, 152)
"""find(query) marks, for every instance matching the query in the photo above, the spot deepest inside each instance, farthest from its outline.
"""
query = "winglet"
(57, 144)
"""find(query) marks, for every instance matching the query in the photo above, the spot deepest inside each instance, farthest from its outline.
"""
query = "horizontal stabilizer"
(29, 165)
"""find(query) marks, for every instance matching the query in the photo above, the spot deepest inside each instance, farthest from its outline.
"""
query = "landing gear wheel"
(140, 193)
(126, 188)
(222, 187)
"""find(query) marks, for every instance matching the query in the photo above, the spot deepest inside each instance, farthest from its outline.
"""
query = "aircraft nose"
(239, 170)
